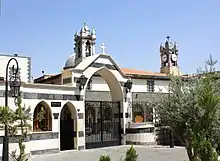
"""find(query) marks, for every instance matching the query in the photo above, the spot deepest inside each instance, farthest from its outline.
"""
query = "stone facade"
(63, 96)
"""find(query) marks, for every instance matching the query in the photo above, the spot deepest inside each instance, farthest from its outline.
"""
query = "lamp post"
(15, 84)
(82, 81)
(128, 86)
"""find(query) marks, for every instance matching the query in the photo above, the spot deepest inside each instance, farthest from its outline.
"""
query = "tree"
(192, 110)
(18, 125)
(6, 117)
(22, 119)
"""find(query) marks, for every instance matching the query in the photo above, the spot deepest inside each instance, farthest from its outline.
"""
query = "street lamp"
(128, 86)
(82, 81)
(15, 84)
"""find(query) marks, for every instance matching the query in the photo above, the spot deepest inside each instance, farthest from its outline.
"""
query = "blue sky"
(131, 30)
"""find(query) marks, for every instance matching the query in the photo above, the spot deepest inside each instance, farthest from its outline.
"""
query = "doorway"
(67, 133)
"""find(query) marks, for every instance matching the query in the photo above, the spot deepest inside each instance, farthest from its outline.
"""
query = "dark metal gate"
(102, 124)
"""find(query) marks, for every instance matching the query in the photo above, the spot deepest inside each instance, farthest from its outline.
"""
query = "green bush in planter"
(131, 154)
(104, 158)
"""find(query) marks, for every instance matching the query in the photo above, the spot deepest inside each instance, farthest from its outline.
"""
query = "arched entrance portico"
(68, 127)
(102, 118)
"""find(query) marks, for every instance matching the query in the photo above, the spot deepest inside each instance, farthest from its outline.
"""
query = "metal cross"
(103, 48)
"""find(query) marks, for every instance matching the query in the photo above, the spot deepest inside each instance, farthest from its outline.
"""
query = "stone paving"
(146, 153)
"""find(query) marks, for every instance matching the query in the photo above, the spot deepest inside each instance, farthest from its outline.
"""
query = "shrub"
(104, 158)
(207, 152)
(131, 154)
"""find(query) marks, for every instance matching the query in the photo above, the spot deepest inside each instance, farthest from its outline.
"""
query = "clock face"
(174, 57)
(164, 58)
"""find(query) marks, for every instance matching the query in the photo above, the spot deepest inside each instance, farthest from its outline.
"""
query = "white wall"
(32, 103)
(42, 144)
(162, 86)
(141, 138)
(99, 84)
(103, 60)
(49, 143)
(140, 85)
(47, 88)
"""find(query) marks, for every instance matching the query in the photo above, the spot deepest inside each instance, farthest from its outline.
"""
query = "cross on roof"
(103, 48)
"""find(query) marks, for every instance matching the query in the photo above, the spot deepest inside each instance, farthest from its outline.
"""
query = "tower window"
(150, 85)
(78, 47)
(88, 49)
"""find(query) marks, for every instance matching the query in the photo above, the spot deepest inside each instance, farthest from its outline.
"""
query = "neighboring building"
(103, 112)
(24, 66)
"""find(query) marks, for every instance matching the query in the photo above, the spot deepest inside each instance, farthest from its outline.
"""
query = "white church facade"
(92, 102)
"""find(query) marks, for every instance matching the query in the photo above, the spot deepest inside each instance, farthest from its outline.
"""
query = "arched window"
(42, 118)
(88, 49)
(138, 113)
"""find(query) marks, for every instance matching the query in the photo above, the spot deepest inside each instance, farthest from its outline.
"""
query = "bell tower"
(169, 58)
(84, 43)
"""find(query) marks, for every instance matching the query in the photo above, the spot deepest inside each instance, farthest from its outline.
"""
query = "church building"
(93, 102)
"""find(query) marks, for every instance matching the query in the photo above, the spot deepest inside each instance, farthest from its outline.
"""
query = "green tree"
(6, 118)
(21, 129)
(192, 110)
(18, 122)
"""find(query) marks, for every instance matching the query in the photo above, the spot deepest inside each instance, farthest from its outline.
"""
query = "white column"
(80, 123)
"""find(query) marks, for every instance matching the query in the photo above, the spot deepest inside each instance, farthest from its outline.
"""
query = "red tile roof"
(128, 71)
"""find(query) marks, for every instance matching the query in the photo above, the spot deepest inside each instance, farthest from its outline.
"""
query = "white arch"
(71, 108)
(110, 79)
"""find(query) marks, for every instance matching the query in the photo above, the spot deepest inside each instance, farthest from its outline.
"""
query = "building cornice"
(148, 77)
(44, 86)
(13, 55)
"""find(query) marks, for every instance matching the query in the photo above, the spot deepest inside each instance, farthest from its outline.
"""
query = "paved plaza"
(146, 153)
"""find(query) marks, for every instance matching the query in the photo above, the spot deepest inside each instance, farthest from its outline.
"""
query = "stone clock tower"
(169, 58)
